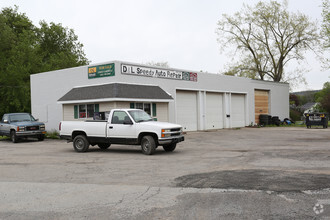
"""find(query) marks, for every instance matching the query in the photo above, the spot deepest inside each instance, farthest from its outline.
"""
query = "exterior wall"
(107, 106)
(68, 111)
(48, 87)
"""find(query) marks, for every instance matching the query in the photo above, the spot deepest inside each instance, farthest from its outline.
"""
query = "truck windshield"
(139, 116)
(21, 117)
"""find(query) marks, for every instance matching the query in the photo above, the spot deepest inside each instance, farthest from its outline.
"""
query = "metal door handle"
(111, 127)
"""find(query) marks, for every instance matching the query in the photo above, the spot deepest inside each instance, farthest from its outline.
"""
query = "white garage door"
(237, 110)
(186, 108)
(214, 112)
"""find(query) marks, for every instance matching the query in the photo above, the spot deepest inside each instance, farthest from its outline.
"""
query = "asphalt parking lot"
(247, 173)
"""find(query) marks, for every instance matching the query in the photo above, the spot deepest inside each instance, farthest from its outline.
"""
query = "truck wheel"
(41, 137)
(169, 147)
(80, 143)
(148, 145)
(13, 137)
(104, 146)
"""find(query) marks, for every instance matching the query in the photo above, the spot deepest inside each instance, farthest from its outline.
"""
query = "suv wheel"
(13, 136)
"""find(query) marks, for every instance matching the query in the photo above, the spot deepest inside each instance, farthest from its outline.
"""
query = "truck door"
(121, 126)
(4, 127)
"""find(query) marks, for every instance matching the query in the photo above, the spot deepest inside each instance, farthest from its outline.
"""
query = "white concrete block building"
(196, 100)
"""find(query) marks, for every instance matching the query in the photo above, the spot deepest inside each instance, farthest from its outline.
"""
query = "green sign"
(101, 71)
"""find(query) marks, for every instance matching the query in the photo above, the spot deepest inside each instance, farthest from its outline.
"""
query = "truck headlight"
(166, 133)
(20, 128)
(42, 127)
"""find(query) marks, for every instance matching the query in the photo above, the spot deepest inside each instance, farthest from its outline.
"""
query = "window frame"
(77, 113)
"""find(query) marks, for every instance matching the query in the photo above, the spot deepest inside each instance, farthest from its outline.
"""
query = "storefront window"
(147, 108)
(139, 106)
(82, 111)
(85, 111)
(90, 111)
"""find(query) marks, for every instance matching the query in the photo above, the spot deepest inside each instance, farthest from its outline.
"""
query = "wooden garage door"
(186, 107)
(260, 103)
(214, 112)
(237, 110)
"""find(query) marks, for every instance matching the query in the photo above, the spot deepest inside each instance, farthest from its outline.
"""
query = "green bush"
(295, 115)
(53, 134)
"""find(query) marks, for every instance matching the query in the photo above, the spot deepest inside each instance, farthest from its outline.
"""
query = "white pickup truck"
(124, 126)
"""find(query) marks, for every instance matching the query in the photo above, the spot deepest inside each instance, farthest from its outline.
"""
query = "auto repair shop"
(195, 100)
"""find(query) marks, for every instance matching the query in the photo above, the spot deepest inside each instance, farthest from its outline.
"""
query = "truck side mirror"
(128, 122)
(5, 121)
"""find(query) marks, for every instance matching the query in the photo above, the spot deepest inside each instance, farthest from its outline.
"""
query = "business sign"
(101, 71)
(158, 73)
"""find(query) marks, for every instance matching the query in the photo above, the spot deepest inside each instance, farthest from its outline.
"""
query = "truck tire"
(80, 143)
(169, 147)
(148, 145)
(13, 136)
(41, 137)
(104, 146)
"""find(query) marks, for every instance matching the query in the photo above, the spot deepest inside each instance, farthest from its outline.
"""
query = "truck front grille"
(32, 128)
(175, 131)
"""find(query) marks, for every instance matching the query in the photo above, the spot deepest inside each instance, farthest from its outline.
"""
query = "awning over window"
(116, 92)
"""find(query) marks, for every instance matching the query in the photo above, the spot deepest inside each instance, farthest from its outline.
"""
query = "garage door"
(186, 108)
(214, 112)
(260, 103)
(237, 110)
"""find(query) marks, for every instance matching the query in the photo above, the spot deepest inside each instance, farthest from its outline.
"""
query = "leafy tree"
(59, 47)
(325, 32)
(267, 37)
(294, 99)
(26, 49)
(17, 43)
(323, 97)
(326, 22)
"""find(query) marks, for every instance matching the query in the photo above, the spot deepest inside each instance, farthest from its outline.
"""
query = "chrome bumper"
(29, 133)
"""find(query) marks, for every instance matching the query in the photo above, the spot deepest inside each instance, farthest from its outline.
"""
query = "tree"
(294, 99)
(326, 22)
(59, 47)
(325, 32)
(268, 37)
(323, 97)
(26, 49)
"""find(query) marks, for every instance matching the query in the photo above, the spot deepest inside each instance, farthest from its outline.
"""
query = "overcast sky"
(180, 32)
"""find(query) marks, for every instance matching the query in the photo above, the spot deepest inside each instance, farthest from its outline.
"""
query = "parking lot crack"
(152, 195)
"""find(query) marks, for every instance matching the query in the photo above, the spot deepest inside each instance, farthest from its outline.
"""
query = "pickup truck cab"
(19, 125)
(124, 126)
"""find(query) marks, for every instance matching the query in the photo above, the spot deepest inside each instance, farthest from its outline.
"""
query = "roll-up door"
(237, 110)
(260, 103)
(186, 107)
(214, 111)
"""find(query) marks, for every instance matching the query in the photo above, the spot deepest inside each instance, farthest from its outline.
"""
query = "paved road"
(248, 173)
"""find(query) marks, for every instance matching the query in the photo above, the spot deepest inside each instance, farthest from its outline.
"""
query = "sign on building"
(101, 71)
(158, 73)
